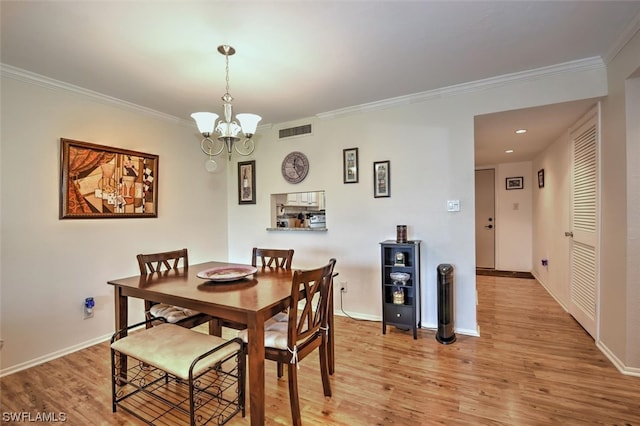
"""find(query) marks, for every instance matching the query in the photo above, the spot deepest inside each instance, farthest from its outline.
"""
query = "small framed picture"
(350, 165)
(541, 178)
(515, 182)
(381, 179)
(247, 182)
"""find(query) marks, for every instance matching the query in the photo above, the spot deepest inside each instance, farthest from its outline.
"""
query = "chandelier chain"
(227, 71)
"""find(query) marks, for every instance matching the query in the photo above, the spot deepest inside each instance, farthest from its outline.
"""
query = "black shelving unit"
(405, 315)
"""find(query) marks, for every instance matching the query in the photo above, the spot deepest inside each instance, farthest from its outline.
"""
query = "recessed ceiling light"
(509, 151)
(521, 131)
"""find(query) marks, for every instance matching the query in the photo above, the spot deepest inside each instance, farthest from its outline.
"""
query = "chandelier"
(227, 130)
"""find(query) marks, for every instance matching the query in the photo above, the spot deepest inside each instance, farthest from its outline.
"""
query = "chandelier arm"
(248, 144)
(207, 148)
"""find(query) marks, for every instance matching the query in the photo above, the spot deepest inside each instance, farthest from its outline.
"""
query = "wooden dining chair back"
(158, 262)
(305, 330)
(164, 262)
(272, 258)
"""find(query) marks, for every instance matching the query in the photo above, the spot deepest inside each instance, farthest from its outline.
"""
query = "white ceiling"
(296, 59)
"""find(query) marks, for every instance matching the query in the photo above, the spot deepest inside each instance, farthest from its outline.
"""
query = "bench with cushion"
(178, 375)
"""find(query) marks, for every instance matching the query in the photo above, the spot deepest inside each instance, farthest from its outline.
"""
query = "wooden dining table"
(251, 301)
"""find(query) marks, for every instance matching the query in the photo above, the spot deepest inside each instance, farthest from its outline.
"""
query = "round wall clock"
(295, 167)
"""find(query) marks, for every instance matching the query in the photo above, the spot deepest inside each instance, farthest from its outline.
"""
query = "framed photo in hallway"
(515, 182)
(541, 178)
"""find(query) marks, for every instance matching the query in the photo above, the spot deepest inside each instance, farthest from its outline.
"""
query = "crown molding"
(473, 86)
(629, 32)
(50, 83)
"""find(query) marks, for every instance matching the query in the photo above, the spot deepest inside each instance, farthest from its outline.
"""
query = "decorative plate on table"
(227, 273)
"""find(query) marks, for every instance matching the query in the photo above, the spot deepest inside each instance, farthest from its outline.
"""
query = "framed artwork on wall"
(381, 179)
(515, 182)
(541, 178)
(350, 165)
(98, 181)
(247, 182)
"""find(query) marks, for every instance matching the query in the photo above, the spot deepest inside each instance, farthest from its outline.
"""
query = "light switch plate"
(453, 205)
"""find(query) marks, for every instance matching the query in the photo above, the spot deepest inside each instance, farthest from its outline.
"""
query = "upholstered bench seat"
(172, 348)
(171, 372)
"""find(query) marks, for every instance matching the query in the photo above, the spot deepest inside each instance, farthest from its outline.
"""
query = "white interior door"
(583, 304)
(485, 218)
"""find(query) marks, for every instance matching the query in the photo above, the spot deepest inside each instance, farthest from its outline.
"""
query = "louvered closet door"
(585, 225)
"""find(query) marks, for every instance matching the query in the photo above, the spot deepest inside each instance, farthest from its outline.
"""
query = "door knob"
(568, 234)
(488, 227)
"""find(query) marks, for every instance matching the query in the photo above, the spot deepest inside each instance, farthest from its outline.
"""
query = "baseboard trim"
(54, 355)
(617, 362)
(434, 327)
(502, 273)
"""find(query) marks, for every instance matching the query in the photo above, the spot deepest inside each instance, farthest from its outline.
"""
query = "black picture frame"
(247, 182)
(350, 169)
(382, 179)
(102, 182)
(541, 178)
(516, 182)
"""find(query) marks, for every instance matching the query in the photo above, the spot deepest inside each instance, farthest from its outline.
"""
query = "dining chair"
(269, 258)
(305, 330)
(272, 258)
(162, 262)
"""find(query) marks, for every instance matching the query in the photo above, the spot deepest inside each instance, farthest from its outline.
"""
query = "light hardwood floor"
(532, 365)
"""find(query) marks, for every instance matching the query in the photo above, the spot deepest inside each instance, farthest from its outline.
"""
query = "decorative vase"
(399, 279)
(401, 233)
(398, 296)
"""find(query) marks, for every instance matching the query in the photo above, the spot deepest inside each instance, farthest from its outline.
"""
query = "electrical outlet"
(88, 306)
(343, 287)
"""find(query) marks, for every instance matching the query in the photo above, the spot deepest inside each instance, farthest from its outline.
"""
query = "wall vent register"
(294, 131)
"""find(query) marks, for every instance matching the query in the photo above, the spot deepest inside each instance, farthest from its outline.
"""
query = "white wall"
(49, 265)
(513, 218)
(619, 313)
(551, 219)
(620, 320)
(633, 218)
(430, 146)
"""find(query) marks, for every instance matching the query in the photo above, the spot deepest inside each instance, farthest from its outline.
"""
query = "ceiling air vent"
(295, 131)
